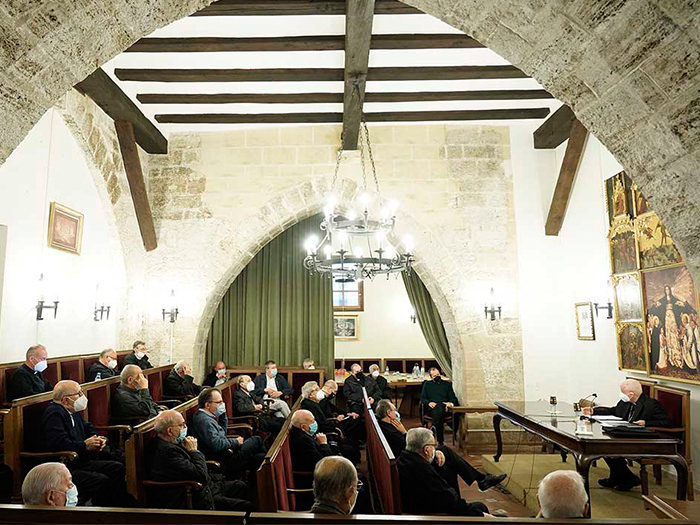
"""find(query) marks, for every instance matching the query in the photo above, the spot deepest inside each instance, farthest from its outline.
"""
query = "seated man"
(173, 456)
(245, 404)
(436, 397)
(217, 376)
(382, 383)
(180, 383)
(352, 426)
(449, 464)
(27, 379)
(209, 425)
(132, 401)
(138, 357)
(270, 385)
(306, 445)
(95, 472)
(49, 484)
(562, 494)
(423, 490)
(634, 407)
(308, 364)
(106, 365)
(352, 389)
(335, 486)
(312, 395)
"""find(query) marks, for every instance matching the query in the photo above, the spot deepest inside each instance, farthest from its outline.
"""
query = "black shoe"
(628, 484)
(490, 481)
(608, 483)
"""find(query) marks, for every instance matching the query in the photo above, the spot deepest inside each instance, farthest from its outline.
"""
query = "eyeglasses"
(431, 444)
(78, 393)
(183, 424)
(359, 484)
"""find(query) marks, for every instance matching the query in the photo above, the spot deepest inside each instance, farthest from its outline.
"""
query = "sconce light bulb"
(352, 215)
(364, 199)
(327, 250)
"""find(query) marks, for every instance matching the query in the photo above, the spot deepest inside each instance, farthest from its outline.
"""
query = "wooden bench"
(296, 376)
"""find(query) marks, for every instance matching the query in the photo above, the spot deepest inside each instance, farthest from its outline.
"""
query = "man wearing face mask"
(138, 357)
(209, 425)
(306, 444)
(180, 383)
(95, 472)
(308, 364)
(174, 456)
(381, 381)
(335, 486)
(106, 365)
(423, 490)
(352, 389)
(131, 401)
(638, 408)
(272, 386)
(27, 379)
(351, 424)
(245, 403)
(436, 397)
(217, 376)
(49, 484)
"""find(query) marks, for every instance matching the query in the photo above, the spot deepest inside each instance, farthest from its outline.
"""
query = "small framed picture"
(345, 327)
(584, 321)
(65, 228)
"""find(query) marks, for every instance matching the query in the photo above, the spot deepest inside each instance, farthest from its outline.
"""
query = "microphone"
(592, 396)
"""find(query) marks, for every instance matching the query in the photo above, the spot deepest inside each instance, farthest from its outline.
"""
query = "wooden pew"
(383, 472)
(296, 376)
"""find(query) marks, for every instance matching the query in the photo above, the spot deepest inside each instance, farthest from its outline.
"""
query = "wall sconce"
(173, 309)
(492, 310)
(608, 307)
(102, 310)
(40, 307)
(413, 317)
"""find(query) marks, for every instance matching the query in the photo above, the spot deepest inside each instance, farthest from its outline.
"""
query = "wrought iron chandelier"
(355, 246)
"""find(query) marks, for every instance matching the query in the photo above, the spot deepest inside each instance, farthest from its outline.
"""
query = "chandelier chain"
(371, 156)
(337, 167)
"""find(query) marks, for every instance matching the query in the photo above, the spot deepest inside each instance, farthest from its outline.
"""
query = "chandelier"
(355, 245)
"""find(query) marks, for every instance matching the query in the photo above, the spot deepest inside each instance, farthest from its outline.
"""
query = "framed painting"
(628, 297)
(584, 321)
(641, 206)
(670, 302)
(618, 195)
(623, 246)
(631, 347)
(345, 327)
(656, 247)
(65, 228)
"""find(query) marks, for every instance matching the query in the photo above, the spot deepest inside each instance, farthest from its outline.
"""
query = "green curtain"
(275, 309)
(429, 320)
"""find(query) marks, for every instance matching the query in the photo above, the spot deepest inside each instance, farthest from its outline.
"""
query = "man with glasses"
(27, 379)
(336, 486)
(106, 365)
(97, 475)
(423, 490)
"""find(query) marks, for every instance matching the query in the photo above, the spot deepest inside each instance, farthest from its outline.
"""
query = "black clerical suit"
(27, 382)
(647, 409)
(440, 392)
(383, 386)
(172, 462)
(99, 368)
(244, 405)
(96, 474)
(346, 447)
(180, 386)
(425, 491)
(212, 378)
(352, 390)
(128, 405)
(353, 428)
(143, 363)
(306, 451)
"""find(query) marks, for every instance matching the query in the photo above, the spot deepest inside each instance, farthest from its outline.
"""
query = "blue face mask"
(72, 496)
(182, 436)
(221, 409)
(313, 428)
(398, 416)
(273, 372)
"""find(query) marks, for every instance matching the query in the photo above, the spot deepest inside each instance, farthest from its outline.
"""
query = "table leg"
(499, 440)
(682, 474)
(583, 466)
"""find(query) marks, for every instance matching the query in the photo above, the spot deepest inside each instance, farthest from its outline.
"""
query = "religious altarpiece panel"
(631, 342)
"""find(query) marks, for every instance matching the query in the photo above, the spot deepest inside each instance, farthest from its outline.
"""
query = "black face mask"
(330, 396)
(437, 379)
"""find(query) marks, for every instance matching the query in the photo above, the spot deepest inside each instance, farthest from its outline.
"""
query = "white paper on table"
(607, 418)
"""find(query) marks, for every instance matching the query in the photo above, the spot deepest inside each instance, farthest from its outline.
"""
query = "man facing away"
(335, 486)
(51, 485)
(562, 494)
(271, 385)
(106, 365)
(27, 379)
(139, 356)
(436, 397)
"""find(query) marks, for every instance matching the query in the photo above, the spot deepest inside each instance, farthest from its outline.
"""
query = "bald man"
(27, 379)
(96, 474)
(307, 445)
(638, 408)
(217, 375)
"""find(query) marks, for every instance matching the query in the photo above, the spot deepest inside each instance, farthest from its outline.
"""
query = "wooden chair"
(676, 402)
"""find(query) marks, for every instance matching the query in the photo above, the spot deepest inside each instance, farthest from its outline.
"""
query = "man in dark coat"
(423, 490)
(173, 456)
(106, 365)
(436, 397)
(246, 404)
(180, 383)
(306, 445)
(335, 486)
(352, 425)
(95, 473)
(139, 356)
(271, 385)
(352, 389)
(217, 376)
(640, 409)
(27, 379)
(382, 383)
(132, 400)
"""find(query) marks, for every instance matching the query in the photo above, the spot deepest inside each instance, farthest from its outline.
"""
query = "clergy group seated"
(179, 382)
(51, 485)
(131, 401)
(139, 356)
(209, 426)
(174, 456)
(436, 397)
(562, 494)
(27, 379)
(335, 486)
(274, 387)
(246, 403)
(352, 389)
(105, 366)
(216, 376)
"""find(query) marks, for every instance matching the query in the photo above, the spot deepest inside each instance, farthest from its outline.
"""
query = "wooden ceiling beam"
(390, 116)
(555, 129)
(317, 74)
(298, 43)
(113, 101)
(297, 7)
(567, 175)
(137, 186)
(358, 34)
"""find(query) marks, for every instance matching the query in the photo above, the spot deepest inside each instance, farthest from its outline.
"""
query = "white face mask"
(250, 386)
(354, 501)
(375, 374)
(80, 404)
(311, 367)
(112, 364)
(625, 398)
(221, 371)
(41, 366)
(320, 395)
(139, 355)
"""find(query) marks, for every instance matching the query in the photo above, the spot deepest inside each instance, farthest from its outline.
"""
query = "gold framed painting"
(584, 321)
(640, 204)
(65, 228)
(618, 195)
(670, 302)
(656, 247)
(631, 347)
(623, 245)
(628, 297)
(346, 327)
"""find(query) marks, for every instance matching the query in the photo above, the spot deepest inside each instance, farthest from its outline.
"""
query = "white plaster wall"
(386, 329)
(48, 166)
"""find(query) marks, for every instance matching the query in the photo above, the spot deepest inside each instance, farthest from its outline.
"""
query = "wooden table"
(667, 508)
(559, 429)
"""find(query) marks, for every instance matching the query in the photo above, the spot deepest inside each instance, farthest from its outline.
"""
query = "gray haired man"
(562, 494)
(335, 486)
